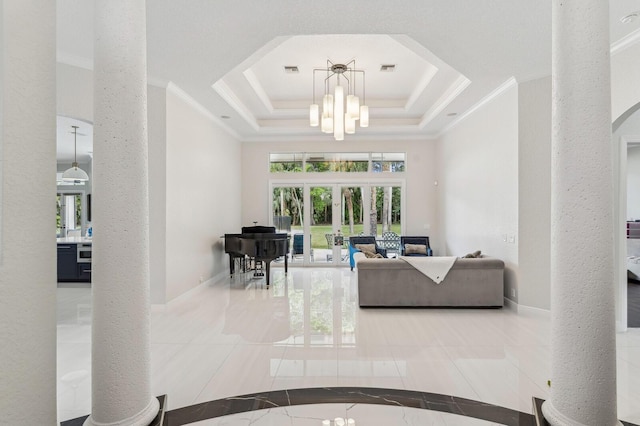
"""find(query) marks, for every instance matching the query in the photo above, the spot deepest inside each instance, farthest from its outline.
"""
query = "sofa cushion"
(371, 248)
(370, 255)
(415, 249)
(475, 254)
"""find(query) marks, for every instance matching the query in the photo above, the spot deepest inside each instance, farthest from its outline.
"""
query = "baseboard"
(510, 304)
(159, 307)
(533, 311)
(621, 327)
(526, 310)
(221, 276)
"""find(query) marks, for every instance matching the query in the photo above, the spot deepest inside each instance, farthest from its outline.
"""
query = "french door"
(323, 215)
(70, 214)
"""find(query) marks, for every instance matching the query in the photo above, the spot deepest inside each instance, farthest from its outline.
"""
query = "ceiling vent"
(291, 69)
(387, 68)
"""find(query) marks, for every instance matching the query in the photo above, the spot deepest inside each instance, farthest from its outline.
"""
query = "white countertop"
(73, 240)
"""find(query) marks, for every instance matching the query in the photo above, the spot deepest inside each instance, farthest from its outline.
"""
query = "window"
(387, 162)
(338, 162)
(285, 162)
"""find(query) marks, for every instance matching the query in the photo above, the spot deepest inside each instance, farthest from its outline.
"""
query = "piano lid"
(258, 229)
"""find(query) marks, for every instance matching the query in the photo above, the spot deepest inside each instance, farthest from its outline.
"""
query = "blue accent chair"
(414, 240)
(353, 241)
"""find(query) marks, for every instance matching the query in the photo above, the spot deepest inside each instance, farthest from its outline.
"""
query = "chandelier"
(339, 111)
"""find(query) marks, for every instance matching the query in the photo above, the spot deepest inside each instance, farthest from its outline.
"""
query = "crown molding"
(447, 97)
(625, 42)
(226, 93)
(258, 89)
(421, 86)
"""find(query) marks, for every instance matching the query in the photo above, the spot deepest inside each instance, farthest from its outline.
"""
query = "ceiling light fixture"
(75, 174)
(339, 112)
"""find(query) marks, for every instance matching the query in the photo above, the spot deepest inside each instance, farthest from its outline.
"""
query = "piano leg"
(231, 264)
(268, 270)
(285, 263)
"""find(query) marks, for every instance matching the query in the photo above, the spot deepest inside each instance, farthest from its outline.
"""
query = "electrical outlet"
(504, 237)
(513, 292)
(512, 239)
(201, 278)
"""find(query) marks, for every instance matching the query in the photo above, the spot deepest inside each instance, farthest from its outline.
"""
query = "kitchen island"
(74, 259)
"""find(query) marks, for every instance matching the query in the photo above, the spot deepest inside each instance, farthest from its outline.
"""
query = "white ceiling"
(66, 140)
(229, 56)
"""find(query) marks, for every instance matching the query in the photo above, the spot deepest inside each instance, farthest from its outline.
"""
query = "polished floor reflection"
(236, 337)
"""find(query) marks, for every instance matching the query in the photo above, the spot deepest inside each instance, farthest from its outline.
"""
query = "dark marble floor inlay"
(341, 395)
(352, 395)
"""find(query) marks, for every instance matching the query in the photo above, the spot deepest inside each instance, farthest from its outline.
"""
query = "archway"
(625, 131)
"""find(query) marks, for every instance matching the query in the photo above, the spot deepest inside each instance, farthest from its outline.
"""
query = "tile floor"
(236, 337)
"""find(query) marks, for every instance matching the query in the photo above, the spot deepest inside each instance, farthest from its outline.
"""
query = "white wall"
(203, 187)
(534, 181)
(629, 129)
(420, 208)
(477, 164)
(194, 183)
(625, 84)
(157, 116)
(633, 183)
(74, 89)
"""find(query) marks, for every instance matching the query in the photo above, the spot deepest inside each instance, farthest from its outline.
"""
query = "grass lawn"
(318, 232)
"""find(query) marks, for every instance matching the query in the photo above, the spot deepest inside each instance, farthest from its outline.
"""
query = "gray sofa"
(393, 282)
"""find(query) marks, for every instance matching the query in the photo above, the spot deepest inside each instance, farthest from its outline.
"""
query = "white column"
(583, 364)
(28, 194)
(121, 390)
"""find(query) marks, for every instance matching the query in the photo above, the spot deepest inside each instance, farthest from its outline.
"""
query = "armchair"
(355, 240)
(298, 246)
(415, 240)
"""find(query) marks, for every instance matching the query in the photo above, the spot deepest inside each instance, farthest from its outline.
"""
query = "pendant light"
(75, 173)
(342, 108)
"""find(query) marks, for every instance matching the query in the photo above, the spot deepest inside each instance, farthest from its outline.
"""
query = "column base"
(147, 417)
(555, 418)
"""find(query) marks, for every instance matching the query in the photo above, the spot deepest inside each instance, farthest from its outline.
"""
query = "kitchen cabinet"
(84, 272)
(70, 269)
(67, 262)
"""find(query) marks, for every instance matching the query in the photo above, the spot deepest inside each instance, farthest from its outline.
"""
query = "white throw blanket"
(633, 265)
(434, 267)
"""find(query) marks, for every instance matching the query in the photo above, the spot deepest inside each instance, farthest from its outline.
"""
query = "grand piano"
(261, 243)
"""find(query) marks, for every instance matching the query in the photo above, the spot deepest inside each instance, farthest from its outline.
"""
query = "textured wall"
(120, 358)
(583, 387)
(28, 258)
